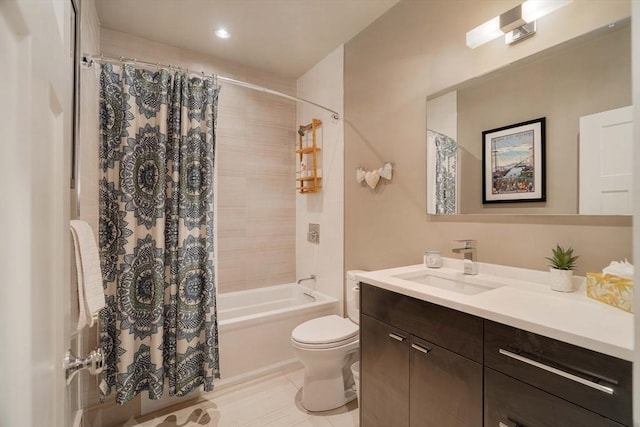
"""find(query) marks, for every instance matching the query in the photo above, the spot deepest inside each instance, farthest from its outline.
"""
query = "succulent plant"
(562, 259)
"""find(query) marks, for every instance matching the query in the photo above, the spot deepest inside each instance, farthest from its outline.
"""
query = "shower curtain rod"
(89, 59)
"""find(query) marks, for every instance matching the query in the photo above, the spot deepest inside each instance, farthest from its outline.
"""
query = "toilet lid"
(325, 330)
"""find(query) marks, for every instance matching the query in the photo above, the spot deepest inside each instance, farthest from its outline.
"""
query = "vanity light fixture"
(222, 33)
(516, 24)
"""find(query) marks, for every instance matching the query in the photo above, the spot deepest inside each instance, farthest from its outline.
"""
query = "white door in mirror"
(606, 172)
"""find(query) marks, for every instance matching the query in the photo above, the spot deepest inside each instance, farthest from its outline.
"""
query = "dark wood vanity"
(423, 364)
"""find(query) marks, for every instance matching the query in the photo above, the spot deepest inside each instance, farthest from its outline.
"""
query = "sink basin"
(469, 285)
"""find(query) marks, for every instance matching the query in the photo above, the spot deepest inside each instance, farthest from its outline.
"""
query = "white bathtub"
(254, 332)
(255, 327)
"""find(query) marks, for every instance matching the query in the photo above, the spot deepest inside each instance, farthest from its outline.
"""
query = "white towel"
(89, 276)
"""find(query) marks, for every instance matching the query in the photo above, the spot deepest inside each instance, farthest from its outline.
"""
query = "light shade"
(484, 33)
(512, 20)
(534, 9)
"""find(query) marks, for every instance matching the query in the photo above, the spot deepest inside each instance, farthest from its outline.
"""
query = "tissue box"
(610, 289)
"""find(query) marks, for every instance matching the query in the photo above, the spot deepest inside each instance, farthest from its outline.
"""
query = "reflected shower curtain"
(446, 150)
(156, 231)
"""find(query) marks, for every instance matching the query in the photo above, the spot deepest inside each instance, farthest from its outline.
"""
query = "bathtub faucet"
(312, 277)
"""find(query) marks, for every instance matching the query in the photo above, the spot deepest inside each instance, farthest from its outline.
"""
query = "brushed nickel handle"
(557, 371)
(508, 423)
(94, 363)
(397, 337)
(420, 348)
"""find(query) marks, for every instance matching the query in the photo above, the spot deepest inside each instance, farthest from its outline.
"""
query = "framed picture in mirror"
(513, 163)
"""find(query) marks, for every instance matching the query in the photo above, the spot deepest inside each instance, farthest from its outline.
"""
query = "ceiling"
(286, 37)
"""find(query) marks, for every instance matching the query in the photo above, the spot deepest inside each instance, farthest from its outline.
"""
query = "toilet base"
(316, 399)
(326, 389)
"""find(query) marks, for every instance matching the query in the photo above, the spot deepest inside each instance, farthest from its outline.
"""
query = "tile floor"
(269, 401)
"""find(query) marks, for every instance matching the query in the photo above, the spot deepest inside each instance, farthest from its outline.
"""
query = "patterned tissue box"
(610, 289)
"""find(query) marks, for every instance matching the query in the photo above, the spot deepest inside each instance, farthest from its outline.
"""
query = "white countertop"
(524, 301)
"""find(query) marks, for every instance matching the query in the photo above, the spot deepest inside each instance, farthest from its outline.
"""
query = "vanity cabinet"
(415, 364)
(555, 379)
(427, 365)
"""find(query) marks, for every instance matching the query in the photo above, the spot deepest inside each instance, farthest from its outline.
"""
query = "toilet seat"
(325, 332)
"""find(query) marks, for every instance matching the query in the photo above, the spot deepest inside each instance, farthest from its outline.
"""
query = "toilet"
(327, 347)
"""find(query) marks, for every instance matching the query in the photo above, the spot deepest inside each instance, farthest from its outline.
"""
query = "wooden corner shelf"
(307, 168)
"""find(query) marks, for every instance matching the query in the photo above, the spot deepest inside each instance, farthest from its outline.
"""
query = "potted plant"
(563, 262)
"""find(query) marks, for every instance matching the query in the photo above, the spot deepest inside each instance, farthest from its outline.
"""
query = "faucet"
(312, 277)
(468, 252)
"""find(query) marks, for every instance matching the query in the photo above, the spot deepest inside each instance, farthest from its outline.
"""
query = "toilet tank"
(353, 296)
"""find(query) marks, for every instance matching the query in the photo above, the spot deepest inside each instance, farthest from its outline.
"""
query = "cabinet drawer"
(512, 403)
(592, 380)
(451, 329)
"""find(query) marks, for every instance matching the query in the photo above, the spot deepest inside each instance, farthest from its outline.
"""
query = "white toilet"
(327, 347)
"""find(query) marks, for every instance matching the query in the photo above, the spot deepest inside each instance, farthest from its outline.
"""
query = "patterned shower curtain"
(446, 150)
(156, 231)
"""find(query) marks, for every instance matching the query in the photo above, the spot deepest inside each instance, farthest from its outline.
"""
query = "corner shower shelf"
(308, 172)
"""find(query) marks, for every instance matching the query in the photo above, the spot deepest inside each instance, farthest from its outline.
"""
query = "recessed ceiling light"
(222, 33)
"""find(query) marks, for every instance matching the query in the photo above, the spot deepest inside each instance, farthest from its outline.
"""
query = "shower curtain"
(446, 150)
(156, 231)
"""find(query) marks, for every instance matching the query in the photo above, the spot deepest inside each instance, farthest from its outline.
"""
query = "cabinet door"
(512, 403)
(384, 374)
(445, 388)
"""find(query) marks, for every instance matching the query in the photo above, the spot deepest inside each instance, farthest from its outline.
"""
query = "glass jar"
(432, 259)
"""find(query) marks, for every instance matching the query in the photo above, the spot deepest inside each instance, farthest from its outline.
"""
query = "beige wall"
(418, 48)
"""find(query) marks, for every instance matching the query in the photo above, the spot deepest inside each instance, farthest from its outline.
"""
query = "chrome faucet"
(312, 277)
(468, 252)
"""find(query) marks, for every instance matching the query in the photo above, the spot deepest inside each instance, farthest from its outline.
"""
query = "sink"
(469, 285)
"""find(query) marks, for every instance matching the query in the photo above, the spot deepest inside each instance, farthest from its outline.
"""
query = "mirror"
(572, 86)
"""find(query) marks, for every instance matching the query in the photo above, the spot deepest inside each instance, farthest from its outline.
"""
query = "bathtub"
(254, 333)
(255, 327)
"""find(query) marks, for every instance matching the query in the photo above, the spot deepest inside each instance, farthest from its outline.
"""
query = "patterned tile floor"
(269, 401)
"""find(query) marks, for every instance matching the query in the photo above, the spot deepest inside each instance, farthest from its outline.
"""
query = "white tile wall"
(324, 84)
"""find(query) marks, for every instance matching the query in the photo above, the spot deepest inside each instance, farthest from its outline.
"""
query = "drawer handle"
(556, 371)
(508, 423)
(420, 348)
(397, 337)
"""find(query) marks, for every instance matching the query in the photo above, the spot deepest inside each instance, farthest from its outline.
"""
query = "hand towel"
(89, 276)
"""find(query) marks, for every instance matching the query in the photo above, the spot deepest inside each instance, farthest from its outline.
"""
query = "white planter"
(561, 280)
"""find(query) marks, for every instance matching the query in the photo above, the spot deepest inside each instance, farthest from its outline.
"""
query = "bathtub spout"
(312, 277)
